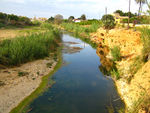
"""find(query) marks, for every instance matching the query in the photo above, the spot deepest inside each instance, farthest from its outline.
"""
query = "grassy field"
(13, 32)
(34, 45)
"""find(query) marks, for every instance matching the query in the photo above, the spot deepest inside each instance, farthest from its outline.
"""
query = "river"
(80, 86)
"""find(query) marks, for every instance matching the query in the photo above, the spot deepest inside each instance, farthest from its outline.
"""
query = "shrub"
(108, 21)
(115, 52)
(36, 22)
(2, 25)
(58, 19)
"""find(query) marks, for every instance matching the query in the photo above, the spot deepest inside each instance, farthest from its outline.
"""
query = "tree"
(129, 14)
(108, 21)
(51, 19)
(148, 4)
(121, 13)
(70, 18)
(83, 17)
(58, 19)
(140, 2)
(13, 17)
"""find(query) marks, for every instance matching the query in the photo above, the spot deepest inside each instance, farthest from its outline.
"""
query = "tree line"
(11, 19)
(59, 18)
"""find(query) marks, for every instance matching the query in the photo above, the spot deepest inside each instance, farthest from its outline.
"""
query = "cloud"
(14, 1)
(46, 8)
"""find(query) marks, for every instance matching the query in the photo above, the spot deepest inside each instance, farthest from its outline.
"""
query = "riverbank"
(19, 82)
(45, 82)
(121, 55)
(131, 73)
(24, 79)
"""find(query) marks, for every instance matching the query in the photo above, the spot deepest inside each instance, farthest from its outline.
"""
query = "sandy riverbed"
(14, 88)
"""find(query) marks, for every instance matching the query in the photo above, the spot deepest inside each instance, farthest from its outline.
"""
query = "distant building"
(118, 18)
(76, 20)
(39, 19)
(42, 19)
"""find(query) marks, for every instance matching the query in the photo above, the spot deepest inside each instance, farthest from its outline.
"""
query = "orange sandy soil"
(131, 46)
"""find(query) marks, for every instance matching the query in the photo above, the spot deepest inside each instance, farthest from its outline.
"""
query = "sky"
(47, 8)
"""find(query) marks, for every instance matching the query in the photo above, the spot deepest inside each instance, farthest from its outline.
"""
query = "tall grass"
(82, 32)
(146, 42)
(23, 49)
(115, 52)
(80, 29)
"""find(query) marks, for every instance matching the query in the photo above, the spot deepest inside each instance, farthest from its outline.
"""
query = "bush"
(2, 25)
(115, 52)
(108, 21)
(36, 23)
(58, 19)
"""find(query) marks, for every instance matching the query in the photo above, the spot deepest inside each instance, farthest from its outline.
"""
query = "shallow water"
(80, 86)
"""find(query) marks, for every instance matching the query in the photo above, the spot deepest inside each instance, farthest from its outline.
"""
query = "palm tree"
(148, 3)
(129, 13)
(140, 2)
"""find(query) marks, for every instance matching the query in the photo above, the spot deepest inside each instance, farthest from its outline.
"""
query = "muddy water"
(80, 86)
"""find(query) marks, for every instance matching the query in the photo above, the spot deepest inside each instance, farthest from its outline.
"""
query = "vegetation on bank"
(47, 81)
(139, 61)
(27, 48)
(81, 31)
(115, 52)
(90, 22)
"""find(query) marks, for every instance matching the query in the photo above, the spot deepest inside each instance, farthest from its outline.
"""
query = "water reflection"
(80, 87)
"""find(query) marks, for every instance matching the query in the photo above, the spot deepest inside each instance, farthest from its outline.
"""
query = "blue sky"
(47, 8)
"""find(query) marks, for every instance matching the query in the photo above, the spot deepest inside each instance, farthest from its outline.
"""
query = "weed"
(115, 73)
(49, 65)
(115, 52)
(2, 83)
(143, 103)
(38, 73)
(22, 73)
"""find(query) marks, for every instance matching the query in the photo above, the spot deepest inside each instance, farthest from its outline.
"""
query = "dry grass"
(12, 33)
